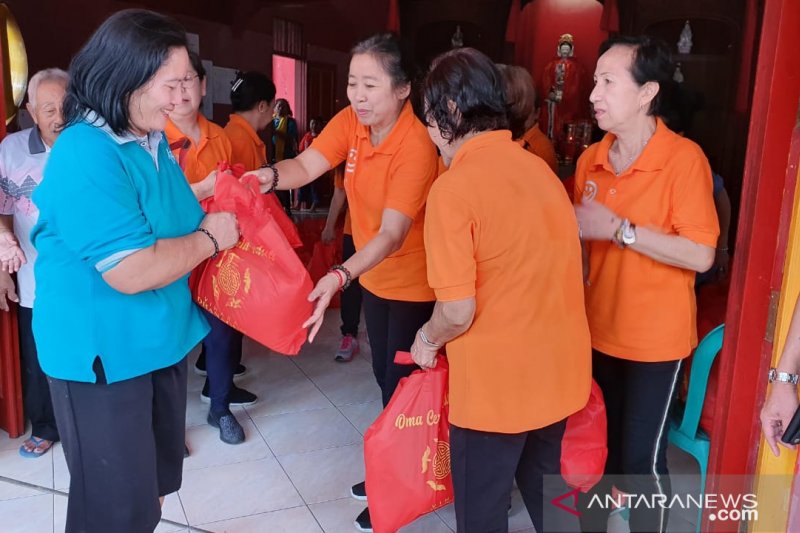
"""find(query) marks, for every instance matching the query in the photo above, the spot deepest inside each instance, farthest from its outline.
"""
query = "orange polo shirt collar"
(392, 142)
(206, 133)
(652, 159)
(482, 140)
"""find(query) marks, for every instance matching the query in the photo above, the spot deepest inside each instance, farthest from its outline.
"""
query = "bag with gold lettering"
(407, 450)
(584, 448)
(259, 286)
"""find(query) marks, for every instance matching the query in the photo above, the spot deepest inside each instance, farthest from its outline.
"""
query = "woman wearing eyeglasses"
(198, 145)
(119, 231)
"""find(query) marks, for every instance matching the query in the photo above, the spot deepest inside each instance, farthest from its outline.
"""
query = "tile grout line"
(285, 473)
(331, 401)
(54, 492)
(302, 371)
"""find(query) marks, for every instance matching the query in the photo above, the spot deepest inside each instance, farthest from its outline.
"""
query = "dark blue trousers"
(223, 351)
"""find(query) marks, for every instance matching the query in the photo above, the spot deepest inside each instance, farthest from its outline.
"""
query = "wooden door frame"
(11, 418)
(764, 221)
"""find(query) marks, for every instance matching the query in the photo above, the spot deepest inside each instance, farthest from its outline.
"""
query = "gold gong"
(15, 63)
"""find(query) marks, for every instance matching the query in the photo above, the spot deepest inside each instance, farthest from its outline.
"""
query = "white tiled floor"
(293, 473)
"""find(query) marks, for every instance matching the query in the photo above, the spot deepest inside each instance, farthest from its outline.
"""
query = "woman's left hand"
(323, 293)
(596, 221)
(423, 355)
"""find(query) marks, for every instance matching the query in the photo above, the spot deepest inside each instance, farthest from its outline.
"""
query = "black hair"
(471, 81)
(386, 48)
(197, 65)
(288, 107)
(249, 89)
(119, 58)
(652, 61)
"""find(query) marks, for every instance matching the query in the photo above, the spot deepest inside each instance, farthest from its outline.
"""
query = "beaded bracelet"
(339, 276)
(274, 178)
(216, 244)
(336, 269)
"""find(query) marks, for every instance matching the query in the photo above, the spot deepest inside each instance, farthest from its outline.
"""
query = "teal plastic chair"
(685, 431)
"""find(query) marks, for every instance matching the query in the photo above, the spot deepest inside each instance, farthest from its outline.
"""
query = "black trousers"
(485, 466)
(222, 349)
(35, 389)
(123, 444)
(350, 309)
(392, 326)
(638, 397)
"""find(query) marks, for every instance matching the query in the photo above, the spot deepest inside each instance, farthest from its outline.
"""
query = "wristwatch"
(626, 234)
(783, 377)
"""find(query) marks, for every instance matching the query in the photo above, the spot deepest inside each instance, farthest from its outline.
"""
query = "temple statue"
(566, 89)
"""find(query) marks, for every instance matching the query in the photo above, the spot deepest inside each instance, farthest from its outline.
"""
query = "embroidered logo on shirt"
(352, 156)
(590, 191)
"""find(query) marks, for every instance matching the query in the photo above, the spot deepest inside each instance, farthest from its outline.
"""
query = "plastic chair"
(685, 431)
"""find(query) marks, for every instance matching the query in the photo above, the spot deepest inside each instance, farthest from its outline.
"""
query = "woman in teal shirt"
(118, 232)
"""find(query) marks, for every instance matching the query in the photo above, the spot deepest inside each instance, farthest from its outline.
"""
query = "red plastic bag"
(271, 203)
(323, 258)
(279, 214)
(584, 448)
(407, 450)
(259, 286)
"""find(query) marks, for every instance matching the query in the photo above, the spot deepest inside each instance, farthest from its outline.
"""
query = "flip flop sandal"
(36, 451)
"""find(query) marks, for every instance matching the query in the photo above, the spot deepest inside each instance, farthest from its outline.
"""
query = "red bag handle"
(404, 358)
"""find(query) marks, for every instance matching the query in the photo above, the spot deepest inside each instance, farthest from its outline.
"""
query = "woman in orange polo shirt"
(199, 145)
(390, 164)
(524, 114)
(645, 206)
(509, 300)
(252, 99)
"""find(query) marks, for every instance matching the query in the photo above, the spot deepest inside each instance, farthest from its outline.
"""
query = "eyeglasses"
(189, 81)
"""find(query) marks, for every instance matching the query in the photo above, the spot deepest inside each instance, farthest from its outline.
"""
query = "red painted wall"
(283, 74)
(542, 22)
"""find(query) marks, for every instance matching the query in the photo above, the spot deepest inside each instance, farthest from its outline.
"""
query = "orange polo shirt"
(539, 144)
(338, 182)
(525, 362)
(638, 308)
(248, 148)
(198, 160)
(397, 174)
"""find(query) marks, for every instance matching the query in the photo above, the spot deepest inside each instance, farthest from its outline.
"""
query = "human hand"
(11, 255)
(778, 410)
(7, 291)
(223, 227)
(328, 235)
(596, 221)
(205, 187)
(423, 355)
(265, 176)
(322, 294)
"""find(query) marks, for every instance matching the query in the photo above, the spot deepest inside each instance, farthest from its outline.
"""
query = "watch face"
(629, 235)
